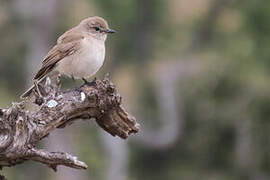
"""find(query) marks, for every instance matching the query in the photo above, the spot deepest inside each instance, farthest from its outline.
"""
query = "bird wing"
(67, 44)
(70, 36)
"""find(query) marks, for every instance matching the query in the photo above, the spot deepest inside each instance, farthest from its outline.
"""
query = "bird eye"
(97, 28)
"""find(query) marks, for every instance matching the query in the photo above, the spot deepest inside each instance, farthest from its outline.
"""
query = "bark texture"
(22, 129)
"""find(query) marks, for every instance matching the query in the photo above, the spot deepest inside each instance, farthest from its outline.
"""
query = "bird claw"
(92, 83)
(85, 81)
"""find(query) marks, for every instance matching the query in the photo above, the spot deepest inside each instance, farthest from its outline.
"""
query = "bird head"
(96, 27)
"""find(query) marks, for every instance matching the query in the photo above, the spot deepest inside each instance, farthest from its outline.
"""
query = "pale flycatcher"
(79, 52)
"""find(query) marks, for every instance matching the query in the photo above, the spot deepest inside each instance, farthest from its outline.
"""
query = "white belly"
(85, 62)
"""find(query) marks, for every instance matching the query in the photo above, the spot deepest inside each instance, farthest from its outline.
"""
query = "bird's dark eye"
(97, 28)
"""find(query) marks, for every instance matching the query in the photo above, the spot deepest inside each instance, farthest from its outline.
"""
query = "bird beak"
(110, 31)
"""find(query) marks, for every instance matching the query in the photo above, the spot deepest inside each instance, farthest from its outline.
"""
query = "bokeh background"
(195, 74)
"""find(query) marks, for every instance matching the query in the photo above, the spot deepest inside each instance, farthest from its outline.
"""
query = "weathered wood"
(22, 129)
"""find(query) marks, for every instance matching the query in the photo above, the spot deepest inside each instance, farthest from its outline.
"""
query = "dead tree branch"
(22, 129)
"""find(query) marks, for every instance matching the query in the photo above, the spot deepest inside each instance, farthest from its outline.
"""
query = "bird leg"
(92, 83)
(94, 80)
(85, 81)
(72, 77)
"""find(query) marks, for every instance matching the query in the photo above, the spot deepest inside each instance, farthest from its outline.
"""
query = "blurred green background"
(195, 74)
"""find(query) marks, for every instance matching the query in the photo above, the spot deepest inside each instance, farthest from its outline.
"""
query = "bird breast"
(86, 61)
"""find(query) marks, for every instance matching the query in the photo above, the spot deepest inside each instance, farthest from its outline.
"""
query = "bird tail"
(29, 91)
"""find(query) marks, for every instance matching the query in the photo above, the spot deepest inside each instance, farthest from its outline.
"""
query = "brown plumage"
(71, 44)
(56, 54)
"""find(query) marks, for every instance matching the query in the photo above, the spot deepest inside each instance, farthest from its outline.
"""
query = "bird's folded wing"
(70, 36)
(67, 45)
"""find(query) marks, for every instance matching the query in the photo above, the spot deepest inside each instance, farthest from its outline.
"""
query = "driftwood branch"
(22, 129)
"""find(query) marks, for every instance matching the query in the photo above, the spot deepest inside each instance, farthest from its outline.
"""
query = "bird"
(79, 53)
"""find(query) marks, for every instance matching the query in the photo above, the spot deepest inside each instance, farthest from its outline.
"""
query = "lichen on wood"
(21, 129)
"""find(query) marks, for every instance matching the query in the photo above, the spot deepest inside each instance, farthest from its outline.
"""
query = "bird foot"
(92, 83)
(87, 83)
